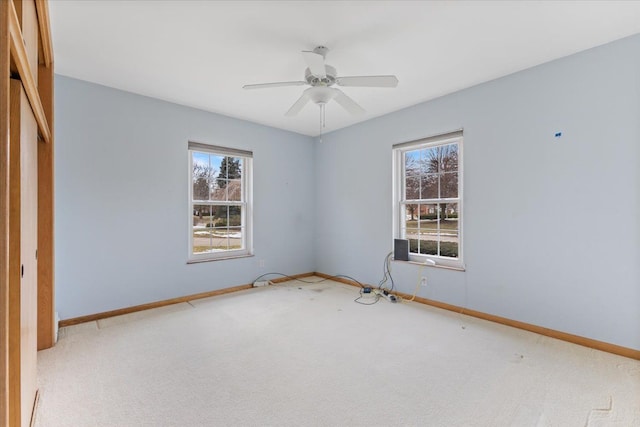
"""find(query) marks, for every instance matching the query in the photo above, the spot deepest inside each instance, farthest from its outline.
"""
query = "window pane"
(200, 176)
(216, 166)
(235, 237)
(219, 190)
(451, 212)
(200, 189)
(449, 158)
(219, 240)
(412, 163)
(412, 234)
(449, 231)
(201, 228)
(428, 239)
(411, 215)
(412, 188)
(429, 161)
(449, 184)
(235, 169)
(201, 215)
(226, 190)
(443, 158)
(428, 246)
(422, 245)
(219, 216)
(230, 167)
(235, 216)
(428, 215)
(429, 186)
(200, 158)
(201, 242)
(234, 190)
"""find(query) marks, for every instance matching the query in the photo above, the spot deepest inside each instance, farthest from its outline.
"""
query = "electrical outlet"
(423, 281)
(261, 263)
(260, 283)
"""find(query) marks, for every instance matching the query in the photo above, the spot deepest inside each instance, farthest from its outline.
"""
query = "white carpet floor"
(299, 354)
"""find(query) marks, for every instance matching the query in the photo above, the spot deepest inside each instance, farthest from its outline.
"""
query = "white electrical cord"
(415, 292)
(422, 265)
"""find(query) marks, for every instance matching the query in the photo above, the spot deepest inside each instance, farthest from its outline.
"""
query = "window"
(428, 198)
(219, 202)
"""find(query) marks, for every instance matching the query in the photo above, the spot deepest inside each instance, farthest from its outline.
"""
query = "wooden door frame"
(13, 60)
(46, 259)
(5, 75)
(40, 97)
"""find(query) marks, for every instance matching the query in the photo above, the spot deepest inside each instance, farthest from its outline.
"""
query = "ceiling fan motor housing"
(321, 50)
(328, 80)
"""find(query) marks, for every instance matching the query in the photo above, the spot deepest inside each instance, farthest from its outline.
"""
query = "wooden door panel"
(23, 285)
(29, 231)
(15, 395)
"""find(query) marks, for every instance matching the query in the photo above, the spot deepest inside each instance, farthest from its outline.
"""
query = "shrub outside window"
(220, 202)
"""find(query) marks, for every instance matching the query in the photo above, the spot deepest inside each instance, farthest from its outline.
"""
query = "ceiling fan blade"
(347, 103)
(368, 81)
(315, 62)
(277, 84)
(299, 104)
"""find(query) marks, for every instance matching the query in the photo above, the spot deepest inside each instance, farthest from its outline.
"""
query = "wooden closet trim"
(46, 258)
(4, 210)
(19, 55)
(42, 9)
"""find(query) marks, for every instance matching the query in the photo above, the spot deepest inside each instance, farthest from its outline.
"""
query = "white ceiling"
(200, 53)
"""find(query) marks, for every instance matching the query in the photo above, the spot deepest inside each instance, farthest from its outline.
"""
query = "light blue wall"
(552, 233)
(121, 199)
(551, 227)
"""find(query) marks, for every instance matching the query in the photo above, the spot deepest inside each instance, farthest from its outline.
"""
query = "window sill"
(198, 261)
(427, 264)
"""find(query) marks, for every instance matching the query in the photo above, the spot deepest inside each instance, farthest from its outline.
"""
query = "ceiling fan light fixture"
(321, 94)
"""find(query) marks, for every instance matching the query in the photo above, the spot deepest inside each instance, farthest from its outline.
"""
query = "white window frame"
(399, 194)
(246, 202)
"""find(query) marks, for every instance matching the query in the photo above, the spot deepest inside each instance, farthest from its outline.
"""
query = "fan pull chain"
(322, 120)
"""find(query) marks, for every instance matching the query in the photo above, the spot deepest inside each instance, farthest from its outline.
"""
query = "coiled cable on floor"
(337, 276)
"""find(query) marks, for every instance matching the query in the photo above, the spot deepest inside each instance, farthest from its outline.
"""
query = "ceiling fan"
(322, 77)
